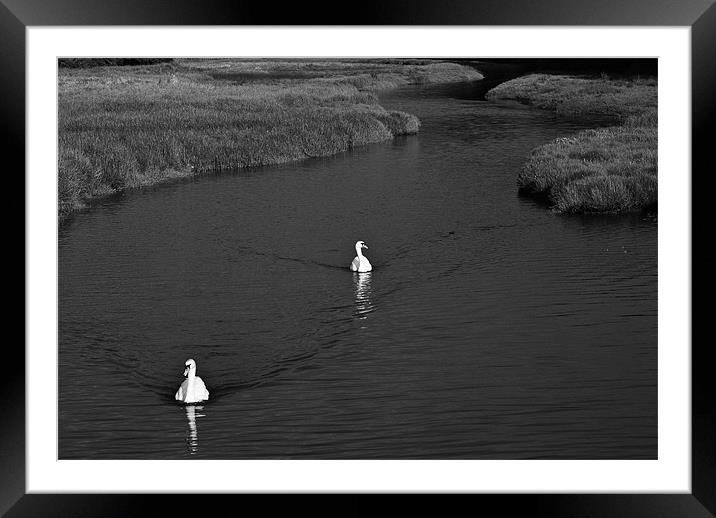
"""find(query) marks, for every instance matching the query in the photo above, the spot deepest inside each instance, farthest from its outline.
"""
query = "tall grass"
(602, 170)
(136, 126)
(605, 170)
(581, 97)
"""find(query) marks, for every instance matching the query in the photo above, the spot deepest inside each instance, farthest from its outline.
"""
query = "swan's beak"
(365, 246)
(186, 372)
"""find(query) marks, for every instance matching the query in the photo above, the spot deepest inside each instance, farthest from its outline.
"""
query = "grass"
(601, 170)
(607, 170)
(131, 126)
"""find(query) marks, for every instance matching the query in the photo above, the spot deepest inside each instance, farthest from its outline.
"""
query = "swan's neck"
(359, 251)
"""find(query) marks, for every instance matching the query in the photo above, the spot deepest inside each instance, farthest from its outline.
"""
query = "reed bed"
(127, 127)
(607, 170)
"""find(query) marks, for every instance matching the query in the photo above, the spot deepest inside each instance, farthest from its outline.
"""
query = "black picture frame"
(17, 15)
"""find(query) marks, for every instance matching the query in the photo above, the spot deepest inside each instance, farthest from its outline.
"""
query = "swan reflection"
(363, 293)
(192, 437)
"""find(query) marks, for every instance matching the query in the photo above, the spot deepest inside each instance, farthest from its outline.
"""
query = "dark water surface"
(490, 327)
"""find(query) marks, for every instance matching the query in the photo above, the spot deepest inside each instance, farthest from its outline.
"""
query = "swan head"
(360, 245)
(190, 368)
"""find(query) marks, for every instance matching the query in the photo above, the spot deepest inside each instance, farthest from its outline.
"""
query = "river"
(489, 328)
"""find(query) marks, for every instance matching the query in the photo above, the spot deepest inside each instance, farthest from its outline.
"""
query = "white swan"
(192, 390)
(361, 262)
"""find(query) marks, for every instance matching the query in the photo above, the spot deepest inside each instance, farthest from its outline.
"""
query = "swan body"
(192, 389)
(361, 262)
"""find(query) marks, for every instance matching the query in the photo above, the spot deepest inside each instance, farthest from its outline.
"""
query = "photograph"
(443, 251)
(357, 258)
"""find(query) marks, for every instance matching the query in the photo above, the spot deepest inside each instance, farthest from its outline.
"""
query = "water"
(489, 328)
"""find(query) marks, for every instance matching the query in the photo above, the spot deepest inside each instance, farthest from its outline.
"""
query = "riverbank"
(607, 170)
(133, 126)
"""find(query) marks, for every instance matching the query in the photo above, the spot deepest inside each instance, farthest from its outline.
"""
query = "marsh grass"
(602, 170)
(581, 97)
(126, 127)
(605, 170)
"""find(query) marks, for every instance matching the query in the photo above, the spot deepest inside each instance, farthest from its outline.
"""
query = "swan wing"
(181, 393)
(201, 392)
(355, 264)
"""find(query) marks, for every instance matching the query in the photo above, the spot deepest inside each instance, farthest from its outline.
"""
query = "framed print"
(510, 314)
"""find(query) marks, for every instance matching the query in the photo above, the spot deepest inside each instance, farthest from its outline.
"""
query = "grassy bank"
(606, 170)
(125, 127)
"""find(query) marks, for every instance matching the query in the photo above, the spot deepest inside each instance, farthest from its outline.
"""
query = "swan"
(361, 262)
(192, 389)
